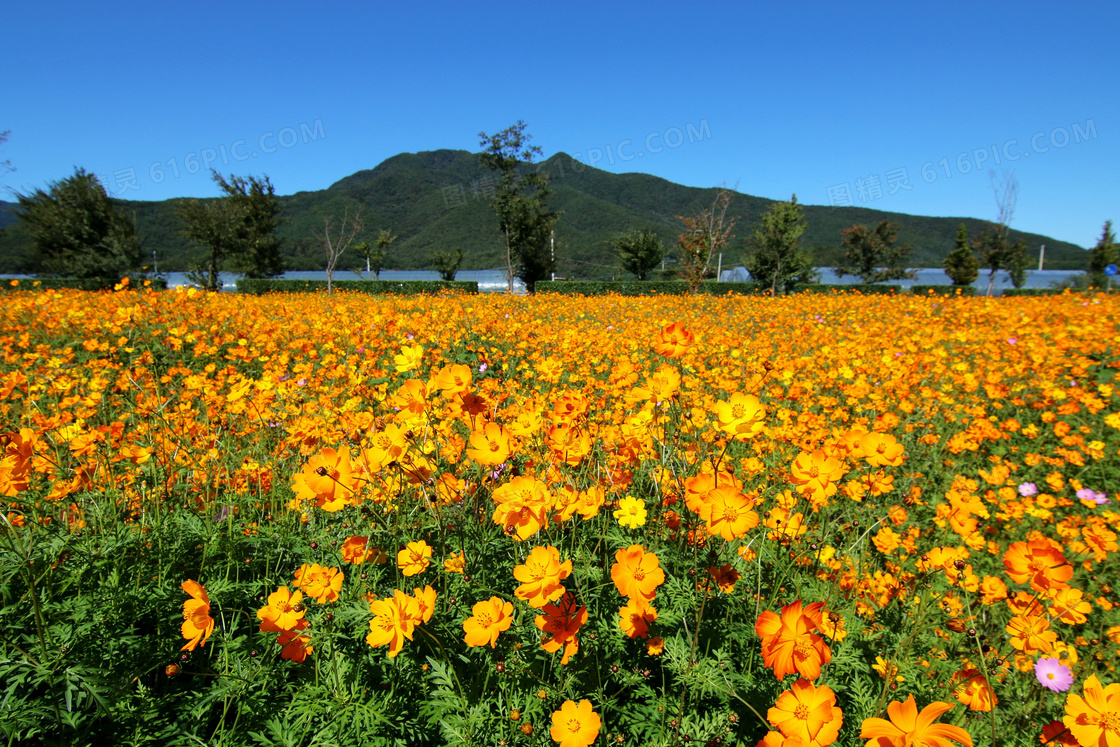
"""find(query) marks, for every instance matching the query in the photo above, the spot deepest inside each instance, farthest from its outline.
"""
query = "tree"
(78, 231)
(706, 232)
(775, 248)
(238, 228)
(640, 252)
(256, 217)
(525, 222)
(872, 254)
(1101, 256)
(994, 247)
(447, 263)
(961, 265)
(385, 238)
(337, 238)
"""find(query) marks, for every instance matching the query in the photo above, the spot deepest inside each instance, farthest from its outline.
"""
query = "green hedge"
(1034, 291)
(865, 289)
(258, 286)
(642, 288)
(943, 290)
(86, 284)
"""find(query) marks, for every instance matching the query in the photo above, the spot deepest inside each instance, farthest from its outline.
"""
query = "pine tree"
(961, 265)
(1101, 256)
(640, 252)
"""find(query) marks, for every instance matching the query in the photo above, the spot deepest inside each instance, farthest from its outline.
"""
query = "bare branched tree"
(338, 238)
(994, 246)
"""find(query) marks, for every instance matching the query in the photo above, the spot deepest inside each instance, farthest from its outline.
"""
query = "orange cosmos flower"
(637, 573)
(327, 479)
(283, 611)
(674, 340)
(425, 602)
(355, 550)
(490, 445)
(320, 583)
(725, 577)
(394, 620)
(1039, 563)
(488, 619)
(789, 641)
(1031, 634)
(807, 713)
(815, 472)
(559, 625)
(1069, 605)
(880, 450)
(742, 417)
(636, 616)
(522, 506)
(452, 379)
(414, 558)
(294, 645)
(909, 728)
(659, 387)
(455, 563)
(1095, 718)
(1056, 733)
(575, 725)
(728, 513)
(197, 623)
(975, 691)
(541, 575)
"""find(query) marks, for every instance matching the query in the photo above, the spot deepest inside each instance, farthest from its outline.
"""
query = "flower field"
(495, 520)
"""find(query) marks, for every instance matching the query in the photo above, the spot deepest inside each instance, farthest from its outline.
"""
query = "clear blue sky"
(777, 98)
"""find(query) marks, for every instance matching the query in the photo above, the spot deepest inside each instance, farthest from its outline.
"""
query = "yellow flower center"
(814, 471)
(801, 712)
(485, 620)
(802, 649)
(573, 725)
(730, 514)
(739, 411)
(1110, 720)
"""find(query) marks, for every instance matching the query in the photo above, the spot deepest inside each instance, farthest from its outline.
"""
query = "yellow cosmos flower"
(631, 512)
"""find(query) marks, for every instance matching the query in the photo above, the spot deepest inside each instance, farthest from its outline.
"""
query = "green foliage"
(775, 258)
(436, 199)
(996, 251)
(447, 264)
(238, 230)
(375, 287)
(639, 252)
(79, 232)
(524, 221)
(864, 289)
(872, 255)
(1102, 255)
(643, 288)
(961, 265)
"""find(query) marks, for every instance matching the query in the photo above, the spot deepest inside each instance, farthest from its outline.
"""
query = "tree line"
(79, 232)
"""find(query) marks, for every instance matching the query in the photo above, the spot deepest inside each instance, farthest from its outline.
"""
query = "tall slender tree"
(639, 252)
(1101, 256)
(961, 265)
(775, 256)
(525, 222)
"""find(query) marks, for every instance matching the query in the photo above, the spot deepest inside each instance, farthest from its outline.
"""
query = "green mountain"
(439, 199)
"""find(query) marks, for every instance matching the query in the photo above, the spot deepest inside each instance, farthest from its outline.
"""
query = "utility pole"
(719, 268)
(552, 249)
(1041, 255)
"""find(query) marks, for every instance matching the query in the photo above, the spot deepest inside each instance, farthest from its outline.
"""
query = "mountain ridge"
(438, 200)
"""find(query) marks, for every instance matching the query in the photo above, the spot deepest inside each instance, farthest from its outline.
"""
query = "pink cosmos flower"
(1028, 489)
(1053, 674)
(1088, 494)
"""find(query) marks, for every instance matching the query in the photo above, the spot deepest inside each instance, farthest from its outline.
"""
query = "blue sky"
(895, 106)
